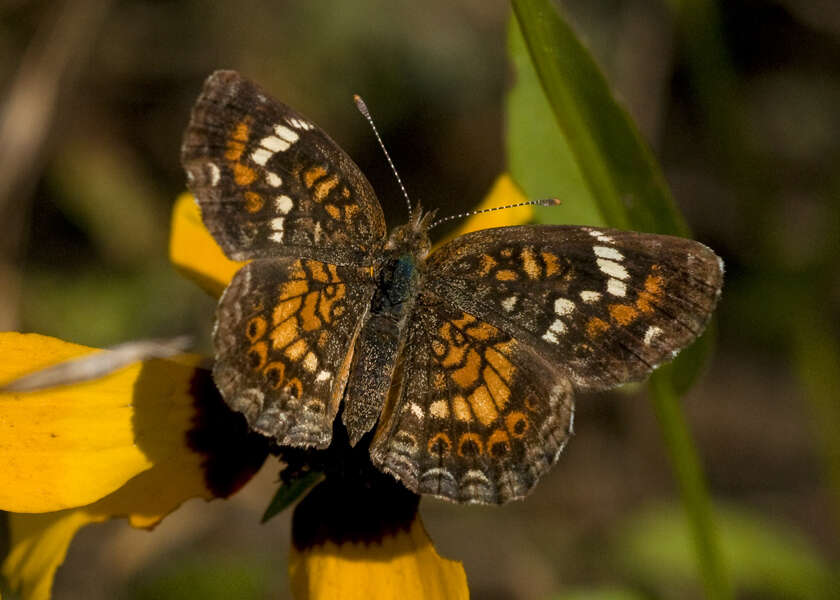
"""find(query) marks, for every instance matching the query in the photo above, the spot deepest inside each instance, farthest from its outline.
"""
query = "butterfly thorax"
(400, 268)
(397, 281)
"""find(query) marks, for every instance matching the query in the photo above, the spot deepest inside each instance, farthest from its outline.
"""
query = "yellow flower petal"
(39, 543)
(72, 445)
(503, 193)
(153, 435)
(38, 546)
(193, 250)
(404, 566)
(360, 536)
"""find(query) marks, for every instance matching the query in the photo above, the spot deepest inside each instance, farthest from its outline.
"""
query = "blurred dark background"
(740, 104)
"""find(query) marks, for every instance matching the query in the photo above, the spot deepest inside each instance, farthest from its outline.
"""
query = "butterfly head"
(413, 237)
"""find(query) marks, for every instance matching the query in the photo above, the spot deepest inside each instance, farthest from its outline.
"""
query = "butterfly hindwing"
(474, 416)
(271, 183)
(284, 338)
(604, 306)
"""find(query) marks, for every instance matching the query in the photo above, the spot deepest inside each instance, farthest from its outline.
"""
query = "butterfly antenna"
(360, 104)
(544, 202)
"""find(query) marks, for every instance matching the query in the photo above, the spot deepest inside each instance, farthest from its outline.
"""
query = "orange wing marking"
(595, 327)
(653, 292)
(470, 445)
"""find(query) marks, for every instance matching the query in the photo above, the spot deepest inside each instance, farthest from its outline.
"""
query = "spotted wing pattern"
(509, 323)
(603, 306)
(474, 416)
(271, 183)
(284, 338)
(501, 326)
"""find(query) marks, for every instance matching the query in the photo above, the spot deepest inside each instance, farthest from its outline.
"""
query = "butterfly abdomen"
(378, 345)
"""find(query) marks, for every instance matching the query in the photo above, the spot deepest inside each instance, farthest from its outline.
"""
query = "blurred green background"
(739, 101)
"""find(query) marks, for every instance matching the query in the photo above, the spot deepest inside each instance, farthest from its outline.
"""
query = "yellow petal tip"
(194, 252)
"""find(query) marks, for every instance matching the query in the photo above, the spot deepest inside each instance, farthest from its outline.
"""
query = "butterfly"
(457, 367)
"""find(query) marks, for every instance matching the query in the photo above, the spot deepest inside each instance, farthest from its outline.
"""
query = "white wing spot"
(607, 252)
(651, 333)
(409, 448)
(215, 174)
(283, 204)
(439, 409)
(316, 234)
(612, 268)
(299, 124)
(600, 236)
(509, 303)
(323, 376)
(289, 137)
(438, 473)
(549, 337)
(477, 475)
(563, 306)
(557, 327)
(589, 296)
(616, 288)
(275, 144)
(273, 179)
(277, 226)
(261, 156)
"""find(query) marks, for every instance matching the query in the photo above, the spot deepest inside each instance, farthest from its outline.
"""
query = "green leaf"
(568, 138)
(816, 357)
(618, 168)
(287, 494)
(766, 559)
(624, 187)
(539, 158)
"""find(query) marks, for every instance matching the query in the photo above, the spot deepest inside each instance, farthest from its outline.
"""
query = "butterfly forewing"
(605, 306)
(270, 183)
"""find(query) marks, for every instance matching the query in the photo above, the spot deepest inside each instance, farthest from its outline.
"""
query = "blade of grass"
(689, 474)
(817, 361)
(629, 191)
(538, 156)
(618, 167)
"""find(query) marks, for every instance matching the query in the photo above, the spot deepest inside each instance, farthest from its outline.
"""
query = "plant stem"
(689, 473)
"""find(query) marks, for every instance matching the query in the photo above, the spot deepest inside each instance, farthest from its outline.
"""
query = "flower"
(140, 441)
